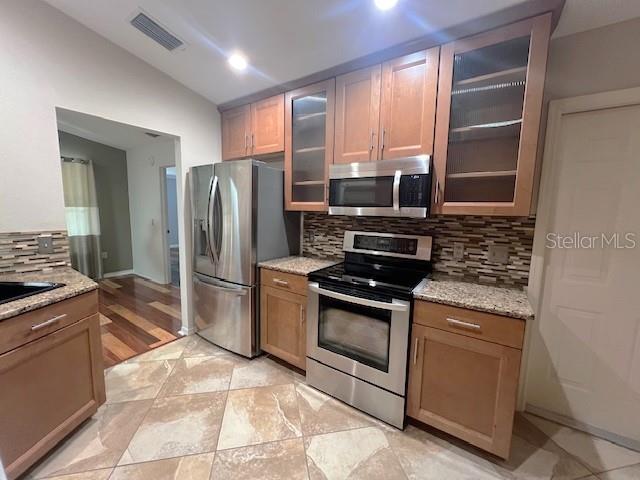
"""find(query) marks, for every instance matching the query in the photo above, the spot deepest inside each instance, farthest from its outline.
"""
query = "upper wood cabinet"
(357, 115)
(267, 126)
(387, 111)
(236, 126)
(308, 150)
(255, 129)
(408, 105)
(489, 103)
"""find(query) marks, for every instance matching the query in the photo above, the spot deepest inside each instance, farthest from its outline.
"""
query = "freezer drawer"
(225, 314)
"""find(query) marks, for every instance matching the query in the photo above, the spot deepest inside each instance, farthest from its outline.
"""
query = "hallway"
(136, 315)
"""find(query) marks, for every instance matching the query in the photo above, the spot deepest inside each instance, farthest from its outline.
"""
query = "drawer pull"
(459, 323)
(282, 283)
(46, 323)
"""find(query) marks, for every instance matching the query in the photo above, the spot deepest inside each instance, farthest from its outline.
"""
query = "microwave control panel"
(415, 190)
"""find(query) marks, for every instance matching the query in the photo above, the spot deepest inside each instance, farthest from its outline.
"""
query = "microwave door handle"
(212, 246)
(395, 305)
(396, 190)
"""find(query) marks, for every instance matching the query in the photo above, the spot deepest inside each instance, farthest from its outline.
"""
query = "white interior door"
(584, 361)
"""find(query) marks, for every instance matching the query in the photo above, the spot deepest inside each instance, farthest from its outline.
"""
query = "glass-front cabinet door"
(309, 120)
(489, 104)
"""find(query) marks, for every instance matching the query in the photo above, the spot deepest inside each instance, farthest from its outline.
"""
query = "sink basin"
(10, 291)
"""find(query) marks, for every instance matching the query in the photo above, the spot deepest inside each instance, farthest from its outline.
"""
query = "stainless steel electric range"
(359, 319)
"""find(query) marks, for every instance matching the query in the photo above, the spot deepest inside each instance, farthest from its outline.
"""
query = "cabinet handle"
(46, 323)
(437, 199)
(459, 323)
(252, 142)
(371, 141)
(302, 316)
(246, 141)
(415, 350)
(384, 131)
(282, 283)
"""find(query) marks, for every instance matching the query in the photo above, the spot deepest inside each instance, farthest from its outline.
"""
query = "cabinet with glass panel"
(488, 116)
(309, 118)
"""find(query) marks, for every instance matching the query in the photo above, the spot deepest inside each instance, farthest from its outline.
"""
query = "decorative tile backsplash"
(19, 252)
(323, 238)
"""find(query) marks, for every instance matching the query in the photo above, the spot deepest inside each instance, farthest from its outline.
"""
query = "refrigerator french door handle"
(213, 248)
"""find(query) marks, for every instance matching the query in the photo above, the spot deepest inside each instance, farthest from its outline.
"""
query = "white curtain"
(82, 215)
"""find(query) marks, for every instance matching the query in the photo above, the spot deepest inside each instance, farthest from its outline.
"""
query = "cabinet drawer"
(492, 328)
(285, 281)
(30, 326)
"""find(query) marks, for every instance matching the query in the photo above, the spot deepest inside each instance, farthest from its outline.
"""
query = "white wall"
(145, 178)
(49, 60)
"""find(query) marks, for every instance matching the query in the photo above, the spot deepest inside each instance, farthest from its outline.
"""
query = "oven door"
(365, 337)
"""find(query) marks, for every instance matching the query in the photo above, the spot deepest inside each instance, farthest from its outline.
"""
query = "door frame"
(164, 221)
(548, 182)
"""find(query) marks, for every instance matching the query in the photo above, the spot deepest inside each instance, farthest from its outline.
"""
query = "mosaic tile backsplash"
(19, 252)
(323, 238)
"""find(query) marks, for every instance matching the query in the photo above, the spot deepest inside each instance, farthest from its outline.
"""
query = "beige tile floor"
(192, 411)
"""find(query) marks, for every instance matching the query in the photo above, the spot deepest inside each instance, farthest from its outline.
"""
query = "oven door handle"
(395, 305)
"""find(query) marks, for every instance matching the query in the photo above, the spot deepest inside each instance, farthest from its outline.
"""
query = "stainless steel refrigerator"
(238, 221)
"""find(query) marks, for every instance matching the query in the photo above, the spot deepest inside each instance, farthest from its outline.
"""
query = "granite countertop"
(509, 302)
(75, 284)
(297, 265)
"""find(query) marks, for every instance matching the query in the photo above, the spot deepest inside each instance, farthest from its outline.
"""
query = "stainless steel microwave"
(386, 188)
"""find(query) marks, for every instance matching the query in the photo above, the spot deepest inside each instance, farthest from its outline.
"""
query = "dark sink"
(10, 291)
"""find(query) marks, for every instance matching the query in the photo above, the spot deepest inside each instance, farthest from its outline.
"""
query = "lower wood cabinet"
(48, 387)
(283, 325)
(283, 316)
(464, 386)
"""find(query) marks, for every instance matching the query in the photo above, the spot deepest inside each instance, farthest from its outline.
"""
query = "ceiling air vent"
(153, 30)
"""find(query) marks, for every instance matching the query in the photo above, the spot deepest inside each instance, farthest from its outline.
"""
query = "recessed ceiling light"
(385, 4)
(238, 61)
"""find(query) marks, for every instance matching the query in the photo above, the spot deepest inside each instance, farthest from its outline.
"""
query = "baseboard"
(184, 331)
(595, 431)
(118, 274)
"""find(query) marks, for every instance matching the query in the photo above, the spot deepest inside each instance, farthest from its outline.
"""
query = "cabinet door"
(308, 152)
(489, 103)
(283, 329)
(357, 116)
(236, 126)
(49, 386)
(267, 126)
(464, 386)
(408, 109)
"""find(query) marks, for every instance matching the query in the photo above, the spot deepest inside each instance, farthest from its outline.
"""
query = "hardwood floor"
(136, 315)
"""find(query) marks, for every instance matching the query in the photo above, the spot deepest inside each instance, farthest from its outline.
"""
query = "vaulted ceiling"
(288, 39)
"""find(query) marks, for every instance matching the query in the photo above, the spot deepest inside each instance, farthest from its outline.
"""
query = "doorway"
(584, 362)
(120, 185)
(170, 223)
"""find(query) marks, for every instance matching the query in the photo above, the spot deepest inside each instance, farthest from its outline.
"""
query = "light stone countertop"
(297, 265)
(509, 302)
(75, 284)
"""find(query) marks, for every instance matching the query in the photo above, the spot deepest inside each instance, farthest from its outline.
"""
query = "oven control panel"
(388, 244)
(405, 246)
